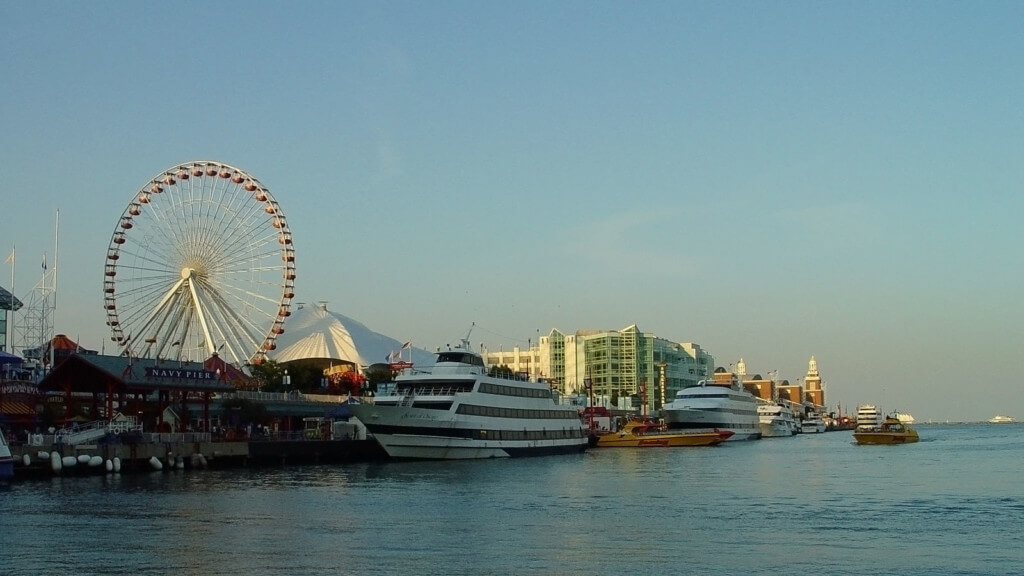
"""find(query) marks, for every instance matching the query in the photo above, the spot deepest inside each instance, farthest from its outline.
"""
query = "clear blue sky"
(769, 180)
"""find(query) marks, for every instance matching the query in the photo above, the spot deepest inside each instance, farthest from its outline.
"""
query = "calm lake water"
(816, 504)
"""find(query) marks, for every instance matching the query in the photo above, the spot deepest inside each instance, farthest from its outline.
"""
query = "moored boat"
(714, 406)
(456, 410)
(776, 421)
(890, 431)
(812, 424)
(642, 433)
(6, 460)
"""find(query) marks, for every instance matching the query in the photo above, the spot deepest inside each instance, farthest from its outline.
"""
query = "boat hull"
(6, 468)
(426, 447)
(660, 440)
(776, 430)
(695, 419)
(885, 437)
(422, 434)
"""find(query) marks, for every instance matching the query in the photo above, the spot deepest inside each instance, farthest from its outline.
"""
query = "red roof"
(62, 342)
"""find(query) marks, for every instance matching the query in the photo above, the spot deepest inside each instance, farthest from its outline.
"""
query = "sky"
(769, 180)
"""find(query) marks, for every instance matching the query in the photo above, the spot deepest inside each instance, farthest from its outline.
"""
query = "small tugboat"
(645, 433)
(891, 431)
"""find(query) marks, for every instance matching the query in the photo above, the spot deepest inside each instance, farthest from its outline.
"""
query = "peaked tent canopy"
(63, 347)
(313, 332)
(8, 301)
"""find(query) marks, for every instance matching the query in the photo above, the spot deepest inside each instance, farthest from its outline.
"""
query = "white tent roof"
(313, 331)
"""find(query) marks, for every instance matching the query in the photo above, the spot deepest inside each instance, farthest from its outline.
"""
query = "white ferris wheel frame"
(201, 263)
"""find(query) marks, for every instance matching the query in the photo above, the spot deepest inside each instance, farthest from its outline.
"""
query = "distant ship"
(868, 417)
(904, 417)
(997, 419)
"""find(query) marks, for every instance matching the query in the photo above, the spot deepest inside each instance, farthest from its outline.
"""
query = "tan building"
(813, 391)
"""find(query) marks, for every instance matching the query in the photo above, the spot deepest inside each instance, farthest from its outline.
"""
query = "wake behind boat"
(714, 406)
(457, 411)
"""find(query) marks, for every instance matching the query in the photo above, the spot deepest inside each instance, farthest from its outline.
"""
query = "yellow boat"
(892, 431)
(648, 434)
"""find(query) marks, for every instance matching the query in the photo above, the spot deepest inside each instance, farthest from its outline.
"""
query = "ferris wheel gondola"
(200, 262)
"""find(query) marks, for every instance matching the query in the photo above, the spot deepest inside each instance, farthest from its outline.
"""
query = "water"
(816, 504)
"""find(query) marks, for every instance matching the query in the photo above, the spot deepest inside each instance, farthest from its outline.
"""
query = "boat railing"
(436, 391)
(178, 437)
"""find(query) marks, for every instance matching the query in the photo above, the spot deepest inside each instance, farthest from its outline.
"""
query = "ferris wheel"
(201, 262)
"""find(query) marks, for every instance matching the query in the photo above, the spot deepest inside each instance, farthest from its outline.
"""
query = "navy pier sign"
(179, 373)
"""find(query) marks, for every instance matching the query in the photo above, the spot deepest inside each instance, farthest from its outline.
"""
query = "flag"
(10, 259)
(176, 343)
(407, 345)
(44, 262)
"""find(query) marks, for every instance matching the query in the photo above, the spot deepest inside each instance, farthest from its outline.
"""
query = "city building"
(813, 391)
(617, 363)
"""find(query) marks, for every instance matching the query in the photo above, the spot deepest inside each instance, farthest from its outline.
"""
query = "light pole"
(286, 381)
(661, 382)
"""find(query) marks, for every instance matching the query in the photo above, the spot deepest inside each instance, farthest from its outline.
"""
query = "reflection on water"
(812, 503)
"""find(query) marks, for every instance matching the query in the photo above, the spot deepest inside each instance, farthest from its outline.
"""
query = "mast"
(56, 235)
(10, 321)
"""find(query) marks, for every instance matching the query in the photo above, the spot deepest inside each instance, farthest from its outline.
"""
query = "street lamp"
(661, 382)
(286, 380)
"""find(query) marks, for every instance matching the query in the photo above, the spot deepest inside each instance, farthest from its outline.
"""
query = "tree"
(502, 371)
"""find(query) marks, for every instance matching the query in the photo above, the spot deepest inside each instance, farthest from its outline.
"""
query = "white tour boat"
(455, 410)
(776, 420)
(712, 406)
(997, 419)
(812, 424)
(868, 417)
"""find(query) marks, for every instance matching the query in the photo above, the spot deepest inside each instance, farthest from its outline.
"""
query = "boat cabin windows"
(496, 412)
(488, 388)
(435, 387)
(461, 358)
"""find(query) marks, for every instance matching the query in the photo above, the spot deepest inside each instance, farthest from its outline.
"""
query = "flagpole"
(10, 328)
(56, 234)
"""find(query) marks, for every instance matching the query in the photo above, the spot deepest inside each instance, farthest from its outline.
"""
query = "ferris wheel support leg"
(202, 319)
(159, 307)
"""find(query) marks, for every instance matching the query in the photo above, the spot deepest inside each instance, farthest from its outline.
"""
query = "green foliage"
(502, 371)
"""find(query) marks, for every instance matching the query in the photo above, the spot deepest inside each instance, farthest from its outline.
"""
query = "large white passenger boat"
(455, 410)
(776, 421)
(998, 419)
(868, 417)
(709, 405)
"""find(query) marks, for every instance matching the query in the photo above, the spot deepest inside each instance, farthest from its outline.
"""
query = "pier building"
(611, 364)
(8, 304)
